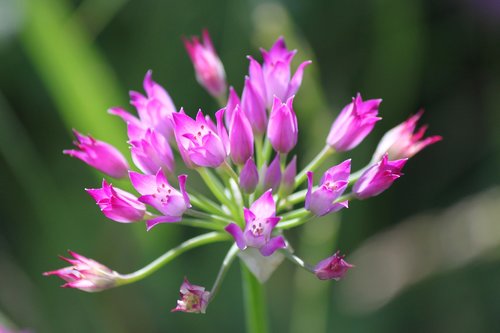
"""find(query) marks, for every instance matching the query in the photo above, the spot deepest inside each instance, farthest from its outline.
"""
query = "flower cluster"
(244, 156)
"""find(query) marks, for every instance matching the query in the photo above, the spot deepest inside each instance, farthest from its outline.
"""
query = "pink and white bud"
(207, 64)
(402, 142)
(240, 137)
(260, 221)
(331, 186)
(353, 124)
(283, 130)
(85, 274)
(158, 193)
(192, 299)
(378, 177)
(116, 204)
(249, 177)
(332, 268)
(100, 155)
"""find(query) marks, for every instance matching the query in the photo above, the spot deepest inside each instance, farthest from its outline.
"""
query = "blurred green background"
(427, 251)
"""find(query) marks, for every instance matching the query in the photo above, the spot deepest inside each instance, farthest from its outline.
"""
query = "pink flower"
(240, 137)
(150, 150)
(85, 274)
(332, 268)
(200, 142)
(273, 77)
(158, 193)
(283, 129)
(260, 221)
(353, 124)
(331, 186)
(193, 298)
(116, 204)
(100, 155)
(207, 65)
(155, 109)
(378, 178)
(401, 142)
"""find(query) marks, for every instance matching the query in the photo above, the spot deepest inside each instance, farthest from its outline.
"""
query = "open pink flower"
(155, 109)
(260, 221)
(116, 204)
(401, 142)
(331, 186)
(85, 274)
(353, 124)
(193, 298)
(200, 142)
(158, 193)
(207, 65)
(378, 177)
(273, 78)
(100, 155)
(332, 268)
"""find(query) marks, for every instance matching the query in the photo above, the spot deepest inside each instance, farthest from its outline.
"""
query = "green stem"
(289, 224)
(168, 256)
(313, 165)
(226, 264)
(255, 306)
(217, 189)
(208, 217)
(268, 149)
(293, 199)
(259, 152)
(201, 224)
(298, 213)
(297, 261)
(206, 204)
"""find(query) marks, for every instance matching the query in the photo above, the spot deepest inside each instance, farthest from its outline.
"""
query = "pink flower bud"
(232, 102)
(85, 274)
(282, 129)
(155, 109)
(249, 177)
(193, 298)
(100, 155)
(272, 175)
(353, 124)
(116, 204)
(240, 137)
(378, 178)
(401, 142)
(288, 180)
(332, 268)
(254, 107)
(207, 64)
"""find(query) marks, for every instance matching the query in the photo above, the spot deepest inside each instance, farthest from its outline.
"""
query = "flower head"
(155, 109)
(85, 274)
(282, 129)
(207, 65)
(332, 268)
(158, 193)
(402, 142)
(353, 124)
(116, 204)
(378, 177)
(193, 298)
(100, 155)
(200, 142)
(260, 221)
(331, 186)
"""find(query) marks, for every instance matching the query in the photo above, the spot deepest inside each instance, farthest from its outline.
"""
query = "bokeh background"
(426, 252)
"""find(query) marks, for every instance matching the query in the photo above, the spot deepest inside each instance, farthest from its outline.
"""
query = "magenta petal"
(296, 80)
(272, 175)
(272, 245)
(249, 177)
(162, 219)
(237, 234)
(144, 184)
(265, 206)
